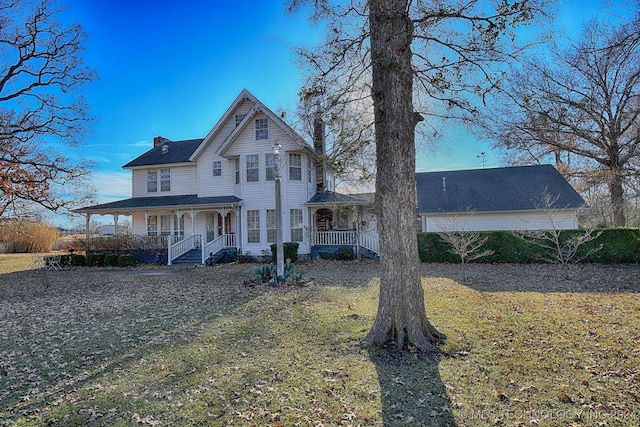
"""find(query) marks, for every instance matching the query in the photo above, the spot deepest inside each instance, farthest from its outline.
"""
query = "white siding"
(183, 181)
(500, 221)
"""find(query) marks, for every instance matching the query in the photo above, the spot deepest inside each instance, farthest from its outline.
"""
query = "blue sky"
(172, 68)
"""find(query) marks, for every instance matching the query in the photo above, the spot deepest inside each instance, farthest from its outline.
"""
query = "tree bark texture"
(401, 316)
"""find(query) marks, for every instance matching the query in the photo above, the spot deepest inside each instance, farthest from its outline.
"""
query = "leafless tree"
(581, 101)
(380, 48)
(464, 243)
(41, 111)
(559, 246)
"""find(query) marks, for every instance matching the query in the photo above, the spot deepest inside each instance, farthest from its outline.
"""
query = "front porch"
(360, 243)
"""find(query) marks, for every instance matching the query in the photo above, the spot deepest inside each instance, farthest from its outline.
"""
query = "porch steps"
(194, 256)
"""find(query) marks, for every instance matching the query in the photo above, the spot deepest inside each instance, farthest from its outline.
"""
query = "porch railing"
(217, 244)
(370, 242)
(334, 238)
(183, 246)
(339, 238)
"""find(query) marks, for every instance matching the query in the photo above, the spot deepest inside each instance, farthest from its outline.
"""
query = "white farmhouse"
(204, 196)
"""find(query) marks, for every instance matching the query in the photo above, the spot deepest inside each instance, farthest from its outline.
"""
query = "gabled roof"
(497, 189)
(258, 107)
(330, 198)
(176, 152)
(172, 202)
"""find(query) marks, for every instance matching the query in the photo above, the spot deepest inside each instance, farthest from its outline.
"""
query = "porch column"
(115, 222)
(193, 222)
(86, 228)
(223, 213)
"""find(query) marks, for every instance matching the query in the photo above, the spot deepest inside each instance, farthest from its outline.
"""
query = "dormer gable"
(242, 121)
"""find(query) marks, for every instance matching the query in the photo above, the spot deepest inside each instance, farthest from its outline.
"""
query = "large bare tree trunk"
(401, 316)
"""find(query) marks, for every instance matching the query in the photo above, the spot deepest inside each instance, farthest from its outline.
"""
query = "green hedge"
(619, 245)
(110, 260)
(290, 251)
(126, 260)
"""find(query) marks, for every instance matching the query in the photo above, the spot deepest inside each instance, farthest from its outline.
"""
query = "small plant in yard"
(263, 273)
(465, 244)
(559, 246)
(266, 273)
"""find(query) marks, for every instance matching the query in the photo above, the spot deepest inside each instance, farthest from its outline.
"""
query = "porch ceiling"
(174, 202)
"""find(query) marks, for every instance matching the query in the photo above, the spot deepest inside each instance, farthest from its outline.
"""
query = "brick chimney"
(159, 140)
(319, 148)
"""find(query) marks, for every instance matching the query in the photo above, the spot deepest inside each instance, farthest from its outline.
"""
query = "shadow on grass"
(412, 392)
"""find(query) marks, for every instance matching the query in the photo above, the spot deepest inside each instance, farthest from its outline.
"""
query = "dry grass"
(160, 346)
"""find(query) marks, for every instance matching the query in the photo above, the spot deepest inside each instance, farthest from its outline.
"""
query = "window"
(270, 167)
(152, 181)
(179, 226)
(253, 168)
(253, 226)
(238, 171)
(165, 225)
(262, 129)
(152, 226)
(296, 225)
(165, 179)
(239, 118)
(295, 167)
(217, 168)
(271, 225)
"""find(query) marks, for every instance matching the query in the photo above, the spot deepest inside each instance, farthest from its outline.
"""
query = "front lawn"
(169, 346)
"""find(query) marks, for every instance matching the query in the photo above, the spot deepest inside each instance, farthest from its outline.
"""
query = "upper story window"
(217, 168)
(270, 166)
(253, 168)
(262, 129)
(295, 167)
(152, 181)
(237, 162)
(165, 179)
(239, 118)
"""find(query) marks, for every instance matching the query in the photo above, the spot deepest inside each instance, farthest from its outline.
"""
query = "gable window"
(217, 168)
(270, 167)
(253, 226)
(296, 225)
(237, 162)
(295, 167)
(271, 225)
(152, 226)
(262, 129)
(152, 181)
(165, 179)
(253, 168)
(239, 118)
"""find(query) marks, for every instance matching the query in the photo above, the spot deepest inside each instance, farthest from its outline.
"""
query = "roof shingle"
(496, 189)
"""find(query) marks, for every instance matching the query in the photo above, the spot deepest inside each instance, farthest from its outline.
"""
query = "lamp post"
(279, 245)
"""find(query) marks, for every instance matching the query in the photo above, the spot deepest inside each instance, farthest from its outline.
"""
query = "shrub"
(345, 254)
(94, 260)
(76, 260)
(110, 260)
(290, 251)
(126, 260)
(26, 236)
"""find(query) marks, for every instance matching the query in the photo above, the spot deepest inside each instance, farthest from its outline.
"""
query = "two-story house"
(218, 192)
